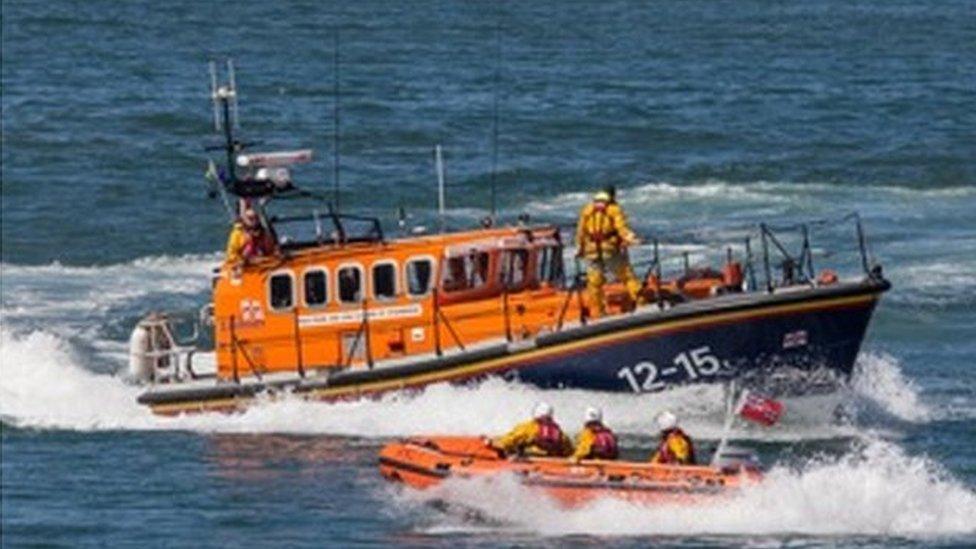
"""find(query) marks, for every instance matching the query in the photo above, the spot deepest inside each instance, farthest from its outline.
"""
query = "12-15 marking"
(645, 376)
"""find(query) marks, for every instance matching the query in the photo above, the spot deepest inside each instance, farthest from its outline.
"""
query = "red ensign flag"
(762, 410)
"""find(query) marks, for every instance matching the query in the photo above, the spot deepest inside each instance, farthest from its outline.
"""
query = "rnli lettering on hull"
(356, 315)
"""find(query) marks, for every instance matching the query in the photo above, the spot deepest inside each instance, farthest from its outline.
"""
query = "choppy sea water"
(707, 116)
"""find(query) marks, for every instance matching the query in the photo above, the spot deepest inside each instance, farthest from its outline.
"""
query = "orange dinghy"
(422, 463)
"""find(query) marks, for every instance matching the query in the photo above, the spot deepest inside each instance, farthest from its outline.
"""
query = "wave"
(769, 192)
(875, 489)
(878, 378)
(44, 385)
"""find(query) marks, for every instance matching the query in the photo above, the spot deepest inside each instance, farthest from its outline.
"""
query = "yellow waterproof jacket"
(235, 244)
(523, 439)
(675, 449)
(585, 441)
(602, 233)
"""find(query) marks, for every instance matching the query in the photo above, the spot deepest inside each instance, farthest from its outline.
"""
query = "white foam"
(874, 490)
(43, 385)
(878, 378)
(56, 290)
(763, 192)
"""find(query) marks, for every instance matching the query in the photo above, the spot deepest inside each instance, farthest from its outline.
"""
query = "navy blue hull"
(781, 352)
(800, 341)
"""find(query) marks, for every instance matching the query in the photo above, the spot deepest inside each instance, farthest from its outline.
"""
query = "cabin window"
(419, 274)
(549, 267)
(316, 288)
(384, 281)
(350, 284)
(282, 291)
(466, 272)
(514, 266)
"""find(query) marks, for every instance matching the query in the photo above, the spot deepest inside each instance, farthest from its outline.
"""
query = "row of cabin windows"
(467, 272)
(349, 284)
(471, 271)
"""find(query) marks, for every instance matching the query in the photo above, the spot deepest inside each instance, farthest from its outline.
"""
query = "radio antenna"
(335, 119)
(494, 132)
(224, 99)
(439, 167)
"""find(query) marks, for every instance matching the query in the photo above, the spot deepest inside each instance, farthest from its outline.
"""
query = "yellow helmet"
(601, 196)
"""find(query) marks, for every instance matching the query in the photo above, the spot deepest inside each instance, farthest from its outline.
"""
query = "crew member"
(248, 239)
(540, 436)
(595, 441)
(602, 237)
(675, 447)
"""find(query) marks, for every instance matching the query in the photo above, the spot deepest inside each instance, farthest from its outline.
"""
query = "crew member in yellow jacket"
(602, 237)
(675, 447)
(540, 436)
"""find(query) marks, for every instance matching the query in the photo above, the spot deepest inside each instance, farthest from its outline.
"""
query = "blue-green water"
(707, 115)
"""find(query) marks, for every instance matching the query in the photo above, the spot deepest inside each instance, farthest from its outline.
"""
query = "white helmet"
(666, 420)
(593, 414)
(542, 409)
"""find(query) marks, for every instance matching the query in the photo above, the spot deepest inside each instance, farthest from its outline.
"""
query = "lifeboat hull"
(423, 463)
(796, 342)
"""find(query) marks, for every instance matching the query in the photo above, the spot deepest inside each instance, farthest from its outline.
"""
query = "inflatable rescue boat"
(425, 462)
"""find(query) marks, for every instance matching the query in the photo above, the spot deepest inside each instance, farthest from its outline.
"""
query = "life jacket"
(604, 442)
(257, 244)
(549, 437)
(599, 230)
(664, 449)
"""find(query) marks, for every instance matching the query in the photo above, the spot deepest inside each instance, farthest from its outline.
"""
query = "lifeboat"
(426, 462)
(335, 307)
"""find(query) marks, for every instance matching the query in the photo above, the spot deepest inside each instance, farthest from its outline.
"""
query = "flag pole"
(732, 403)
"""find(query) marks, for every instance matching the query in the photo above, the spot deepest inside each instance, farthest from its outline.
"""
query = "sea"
(708, 116)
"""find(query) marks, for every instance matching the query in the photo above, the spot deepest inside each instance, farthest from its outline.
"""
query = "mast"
(494, 122)
(439, 166)
(335, 119)
(224, 99)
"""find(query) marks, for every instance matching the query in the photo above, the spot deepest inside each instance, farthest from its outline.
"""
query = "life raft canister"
(732, 274)
(549, 438)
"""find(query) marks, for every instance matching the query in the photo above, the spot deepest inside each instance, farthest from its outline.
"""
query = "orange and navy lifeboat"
(422, 463)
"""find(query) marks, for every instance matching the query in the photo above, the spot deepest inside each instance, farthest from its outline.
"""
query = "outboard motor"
(151, 348)
(736, 459)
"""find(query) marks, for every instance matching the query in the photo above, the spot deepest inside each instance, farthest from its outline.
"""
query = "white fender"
(140, 363)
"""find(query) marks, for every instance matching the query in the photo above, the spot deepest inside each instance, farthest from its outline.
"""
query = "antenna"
(494, 132)
(224, 99)
(439, 167)
(213, 95)
(233, 94)
(335, 119)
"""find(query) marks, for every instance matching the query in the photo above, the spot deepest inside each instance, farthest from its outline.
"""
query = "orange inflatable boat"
(425, 462)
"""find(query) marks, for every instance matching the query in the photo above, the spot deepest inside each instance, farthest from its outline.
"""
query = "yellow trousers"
(596, 278)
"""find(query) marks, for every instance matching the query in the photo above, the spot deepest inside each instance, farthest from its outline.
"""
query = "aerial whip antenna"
(335, 119)
(439, 167)
(224, 99)
(494, 132)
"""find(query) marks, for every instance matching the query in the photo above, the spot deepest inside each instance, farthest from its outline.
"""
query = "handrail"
(572, 288)
(298, 345)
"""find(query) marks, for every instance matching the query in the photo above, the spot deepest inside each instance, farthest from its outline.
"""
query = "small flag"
(761, 409)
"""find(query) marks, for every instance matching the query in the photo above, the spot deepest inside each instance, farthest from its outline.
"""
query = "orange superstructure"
(355, 304)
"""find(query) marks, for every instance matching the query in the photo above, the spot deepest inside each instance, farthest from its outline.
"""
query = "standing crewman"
(675, 447)
(595, 441)
(602, 238)
(248, 239)
(540, 436)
